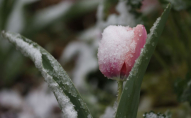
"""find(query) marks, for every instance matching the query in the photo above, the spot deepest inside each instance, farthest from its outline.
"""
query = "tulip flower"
(119, 48)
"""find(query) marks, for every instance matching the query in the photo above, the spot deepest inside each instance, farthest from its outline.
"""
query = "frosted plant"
(128, 40)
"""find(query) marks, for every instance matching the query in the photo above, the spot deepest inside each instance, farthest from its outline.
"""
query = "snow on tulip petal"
(137, 44)
(119, 48)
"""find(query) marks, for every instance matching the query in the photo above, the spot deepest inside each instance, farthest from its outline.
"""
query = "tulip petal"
(137, 44)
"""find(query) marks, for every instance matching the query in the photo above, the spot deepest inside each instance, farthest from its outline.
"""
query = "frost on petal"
(137, 44)
(140, 38)
(119, 48)
(115, 44)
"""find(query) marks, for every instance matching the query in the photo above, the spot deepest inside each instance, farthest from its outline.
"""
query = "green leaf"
(183, 89)
(129, 101)
(66, 94)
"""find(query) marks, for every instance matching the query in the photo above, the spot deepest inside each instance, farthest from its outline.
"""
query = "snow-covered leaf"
(66, 94)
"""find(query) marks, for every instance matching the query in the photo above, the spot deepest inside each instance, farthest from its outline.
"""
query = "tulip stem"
(120, 89)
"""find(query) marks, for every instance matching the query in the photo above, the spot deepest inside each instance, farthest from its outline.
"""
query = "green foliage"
(183, 89)
(178, 4)
(129, 101)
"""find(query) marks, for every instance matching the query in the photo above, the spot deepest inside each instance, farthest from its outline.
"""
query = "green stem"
(120, 89)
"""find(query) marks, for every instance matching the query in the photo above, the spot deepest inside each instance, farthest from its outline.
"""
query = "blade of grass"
(66, 94)
(129, 101)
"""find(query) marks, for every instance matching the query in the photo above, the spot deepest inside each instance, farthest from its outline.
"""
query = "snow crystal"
(26, 48)
(64, 101)
(83, 105)
(151, 115)
(152, 30)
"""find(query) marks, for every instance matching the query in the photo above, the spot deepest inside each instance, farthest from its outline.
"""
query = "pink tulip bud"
(119, 48)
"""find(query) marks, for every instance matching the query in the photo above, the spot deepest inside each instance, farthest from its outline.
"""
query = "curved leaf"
(129, 101)
(66, 94)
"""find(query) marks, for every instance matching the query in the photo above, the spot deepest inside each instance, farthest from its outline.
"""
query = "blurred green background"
(71, 30)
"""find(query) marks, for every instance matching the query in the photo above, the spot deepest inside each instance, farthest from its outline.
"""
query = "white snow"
(10, 98)
(124, 18)
(26, 49)
(153, 28)
(64, 102)
(86, 61)
(109, 113)
(115, 38)
(38, 103)
(41, 101)
(151, 115)
(49, 14)
(16, 18)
